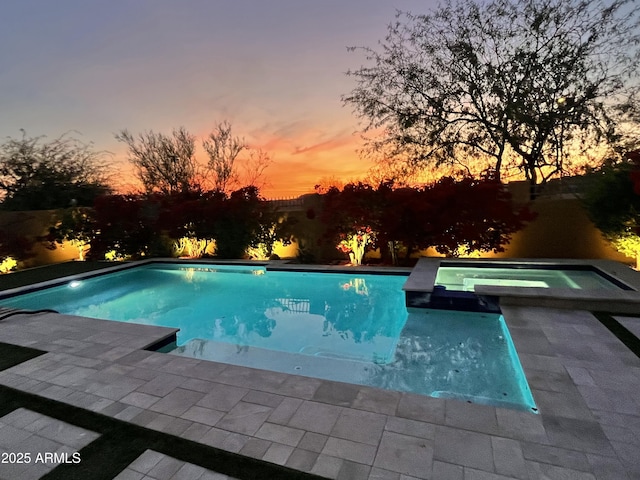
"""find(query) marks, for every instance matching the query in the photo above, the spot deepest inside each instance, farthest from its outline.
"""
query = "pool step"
(442, 299)
(333, 368)
(9, 312)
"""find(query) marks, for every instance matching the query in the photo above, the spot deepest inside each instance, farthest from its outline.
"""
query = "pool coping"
(584, 380)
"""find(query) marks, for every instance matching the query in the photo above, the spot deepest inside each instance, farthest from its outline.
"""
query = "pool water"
(466, 278)
(353, 328)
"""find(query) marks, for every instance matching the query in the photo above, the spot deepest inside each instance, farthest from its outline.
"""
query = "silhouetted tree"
(227, 169)
(520, 85)
(353, 217)
(454, 217)
(612, 200)
(252, 168)
(74, 225)
(40, 175)
(126, 226)
(238, 225)
(163, 163)
(472, 215)
(223, 149)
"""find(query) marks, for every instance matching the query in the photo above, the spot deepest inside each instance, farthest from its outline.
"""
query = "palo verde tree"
(163, 164)
(38, 175)
(522, 87)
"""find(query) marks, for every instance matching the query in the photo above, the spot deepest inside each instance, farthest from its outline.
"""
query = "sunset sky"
(273, 68)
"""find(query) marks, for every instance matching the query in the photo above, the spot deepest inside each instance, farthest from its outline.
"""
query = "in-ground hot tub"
(464, 277)
(479, 285)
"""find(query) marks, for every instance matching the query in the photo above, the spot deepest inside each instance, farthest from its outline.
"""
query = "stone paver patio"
(584, 380)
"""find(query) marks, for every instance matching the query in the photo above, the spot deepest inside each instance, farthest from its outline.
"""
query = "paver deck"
(584, 380)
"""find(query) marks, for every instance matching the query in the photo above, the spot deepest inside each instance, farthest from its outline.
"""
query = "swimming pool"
(347, 327)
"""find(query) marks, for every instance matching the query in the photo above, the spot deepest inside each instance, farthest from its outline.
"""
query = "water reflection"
(339, 315)
(320, 315)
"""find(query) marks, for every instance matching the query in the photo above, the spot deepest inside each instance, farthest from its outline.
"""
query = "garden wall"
(561, 230)
(34, 224)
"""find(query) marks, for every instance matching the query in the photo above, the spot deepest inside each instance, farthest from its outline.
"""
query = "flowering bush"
(454, 217)
(344, 246)
(8, 264)
(356, 244)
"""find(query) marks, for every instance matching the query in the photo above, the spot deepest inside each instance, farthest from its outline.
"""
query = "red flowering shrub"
(452, 216)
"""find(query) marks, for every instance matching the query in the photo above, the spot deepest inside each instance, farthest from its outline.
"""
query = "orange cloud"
(326, 145)
(297, 169)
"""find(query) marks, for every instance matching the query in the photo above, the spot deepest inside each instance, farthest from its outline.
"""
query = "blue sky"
(274, 69)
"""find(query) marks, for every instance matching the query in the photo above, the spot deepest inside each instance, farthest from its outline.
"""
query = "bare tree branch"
(163, 163)
(223, 149)
(516, 83)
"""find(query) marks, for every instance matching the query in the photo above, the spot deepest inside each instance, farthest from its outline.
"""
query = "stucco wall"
(561, 230)
(34, 224)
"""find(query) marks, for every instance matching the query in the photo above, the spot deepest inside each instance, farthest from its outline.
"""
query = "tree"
(238, 224)
(472, 215)
(253, 168)
(127, 226)
(74, 225)
(163, 163)
(407, 221)
(223, 149)
(274, 226)
(235, 222)
(352, 217)
(454, 217)
(191, 221)
(612, 201)
(503, 85)
(227, 169)
(40, 175)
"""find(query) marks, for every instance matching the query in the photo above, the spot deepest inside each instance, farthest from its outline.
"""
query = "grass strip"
(120, 443)
(620, 331)
(12, 355)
